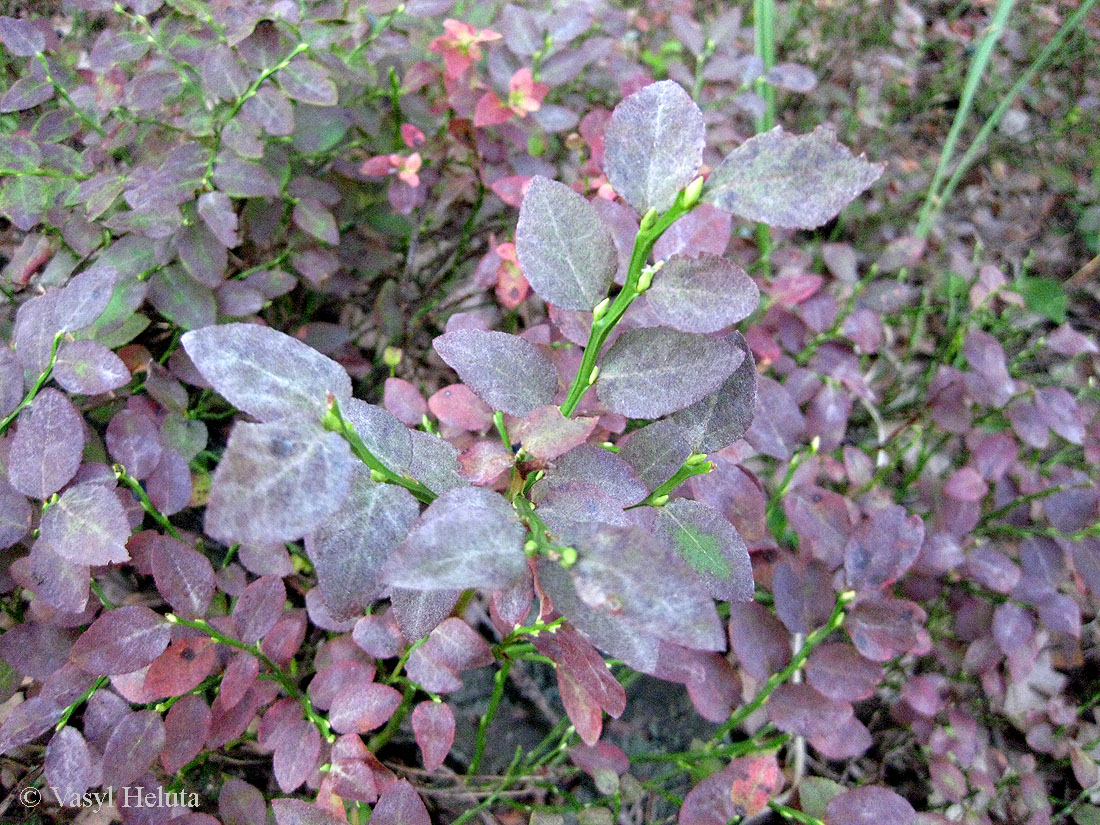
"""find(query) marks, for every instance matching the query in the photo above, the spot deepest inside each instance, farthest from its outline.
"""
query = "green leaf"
(1044, 295)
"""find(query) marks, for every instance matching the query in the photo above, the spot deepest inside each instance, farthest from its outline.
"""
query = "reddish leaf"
(362, 708)
(258, 608)
(434, 727)
(296, 755)
(181, 667)
(398, 805)
(121, 641)
(185, 730)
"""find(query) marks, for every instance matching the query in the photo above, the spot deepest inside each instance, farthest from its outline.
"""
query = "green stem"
(335, 422)
(695, 465)
(495, 795)
(935, 199)
(102, 681)
(39, 383)
(277, 673)
(836, 619)
(483, 725)
(602, 326)
(383, 736)
(793, 815)
(146, 503)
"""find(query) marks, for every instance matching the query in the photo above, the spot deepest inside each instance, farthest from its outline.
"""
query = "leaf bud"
(568, 556)
(648, 220)
(692, 192)
(530, 547)
(601, 309)
(695, 459)
(660, 501)
(391, 356)
(595, 374)
(377, 476)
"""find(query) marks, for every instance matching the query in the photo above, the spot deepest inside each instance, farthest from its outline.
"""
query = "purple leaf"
(203, 256)
(882, 629)
(68, 765)
(277, 482)
(654, 145)
(657, 451)
(84, 298)
(21, 37)
(469, 537)
(363, 707)
(186, 727)
(399, 805)
(456, 405)
(264, 372)
(47, 445)
(417, 612)
(703, 294)
(15, 515)
(841, 674)
(307, 82)
(589, 464)
(789, 181)
(184, 577)
(613, 576)
(799, 709)
(351, 547)
(258, 608)
(508, 372)
(269, 109)
(434, 463)
(546, 434)
(134, 442)
(240, 675)
(181, 667)
(222, 73)
(133, 746)
(803, 595)
(433, 726)
(869, 805)
(60, 584)
(650, 372)
(314, 218)
(379, 636)
(758, 639)
(563, 246)
(121, 641)
(703, 230)
(404, 401)
(296, 755)
(87, 525)
(703, 538)
(298, 812)
(244, 179)
(27, 721)
(216, 210)
(181, 299)
(882, 548)
(89, 368)
(619, 639)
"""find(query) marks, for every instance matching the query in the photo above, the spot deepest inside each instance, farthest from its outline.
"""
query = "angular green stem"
(602, 326)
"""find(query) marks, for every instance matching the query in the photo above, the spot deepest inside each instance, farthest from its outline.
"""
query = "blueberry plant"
(230, 579)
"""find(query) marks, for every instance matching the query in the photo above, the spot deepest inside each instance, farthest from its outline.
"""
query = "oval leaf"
(706, 540)
(654, 145)
(264, 372)
(650, 372)
(564, 247)
(508, 372)
(121, 641)
(703, 294)
(790, 181)
(469, 537)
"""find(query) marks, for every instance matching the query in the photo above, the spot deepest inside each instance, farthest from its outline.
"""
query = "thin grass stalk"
(763, 22)
(994, 118)
(933, 201)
